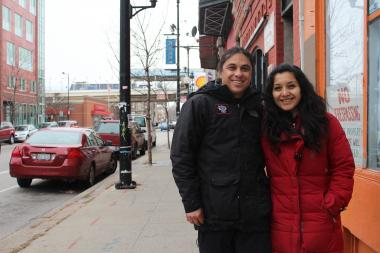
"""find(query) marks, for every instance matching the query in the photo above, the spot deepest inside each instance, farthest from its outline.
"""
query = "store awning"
(215, 17)
(102, 113)
(208, 52)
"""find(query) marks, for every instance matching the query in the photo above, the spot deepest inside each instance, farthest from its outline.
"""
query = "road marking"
(4, 172)
(9, 188)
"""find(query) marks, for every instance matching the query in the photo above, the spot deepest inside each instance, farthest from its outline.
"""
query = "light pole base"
(120, 185)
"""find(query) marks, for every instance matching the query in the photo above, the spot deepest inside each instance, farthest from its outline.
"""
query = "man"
(218, 164)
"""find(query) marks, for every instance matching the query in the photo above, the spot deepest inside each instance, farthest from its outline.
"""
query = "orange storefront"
(336, 43)
(84, 109)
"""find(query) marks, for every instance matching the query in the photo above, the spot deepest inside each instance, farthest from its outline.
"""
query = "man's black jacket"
(218, 163)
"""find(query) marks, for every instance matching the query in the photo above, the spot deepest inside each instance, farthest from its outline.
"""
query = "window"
(32, 7)
(11, 81)
(25, 59)
(33, 86)
(18, 25)
(10, 54)
(22, 84)
(344, 61)
(29, 31)
(373, 95)
(22, 3)
(6, 19)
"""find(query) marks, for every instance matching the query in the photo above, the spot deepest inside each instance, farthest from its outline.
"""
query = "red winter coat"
(309, 190)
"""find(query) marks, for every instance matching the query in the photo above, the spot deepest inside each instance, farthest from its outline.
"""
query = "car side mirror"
(142, 131)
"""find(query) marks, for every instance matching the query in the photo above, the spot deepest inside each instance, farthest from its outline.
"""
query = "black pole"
(125, 98)
(68, 96)
(178, 66)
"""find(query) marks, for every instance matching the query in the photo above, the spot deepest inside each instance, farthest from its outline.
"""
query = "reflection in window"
(29, 31)
(18, 25)
(344, 67)
(373, 6)
(374, 95)
(10, 54)
(6, 19)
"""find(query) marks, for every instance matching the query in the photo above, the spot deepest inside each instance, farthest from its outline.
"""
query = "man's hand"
(196, 217)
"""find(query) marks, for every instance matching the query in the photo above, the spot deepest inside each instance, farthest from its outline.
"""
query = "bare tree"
(147, 49)
(163, 88)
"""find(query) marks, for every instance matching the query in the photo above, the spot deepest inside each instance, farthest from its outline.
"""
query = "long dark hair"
(311, 110)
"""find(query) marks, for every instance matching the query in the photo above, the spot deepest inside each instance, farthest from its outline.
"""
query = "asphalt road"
(19, 206)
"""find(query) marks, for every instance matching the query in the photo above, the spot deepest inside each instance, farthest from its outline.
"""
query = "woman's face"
(286, 91)
(236, 73)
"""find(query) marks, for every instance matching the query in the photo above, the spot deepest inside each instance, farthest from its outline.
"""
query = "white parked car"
(24, 131)
(141, 120)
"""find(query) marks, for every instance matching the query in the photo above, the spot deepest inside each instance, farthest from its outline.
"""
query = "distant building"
(21, 61)
(163, 91)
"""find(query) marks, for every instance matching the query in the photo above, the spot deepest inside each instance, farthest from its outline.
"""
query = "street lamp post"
(68, 94)
(178, 66)
(125, 156)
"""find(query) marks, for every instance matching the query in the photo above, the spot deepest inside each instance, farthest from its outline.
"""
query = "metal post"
(68, 96)
(125, 155)
(68, 93)
(178, 66)
(125, 96)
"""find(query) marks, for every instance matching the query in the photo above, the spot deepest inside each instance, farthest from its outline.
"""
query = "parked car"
(7, 132)
(62, 153)
(164, 126)
(68, 123)
(24, 131)
(48, 124)
(141, 120)
(172, 124)
(109, 130)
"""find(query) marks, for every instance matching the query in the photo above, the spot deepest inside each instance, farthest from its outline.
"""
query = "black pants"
(234, 241)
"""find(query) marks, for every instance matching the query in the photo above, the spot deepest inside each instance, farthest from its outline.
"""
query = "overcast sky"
(80, 35)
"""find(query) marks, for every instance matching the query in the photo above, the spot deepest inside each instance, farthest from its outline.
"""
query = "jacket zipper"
(298, 158)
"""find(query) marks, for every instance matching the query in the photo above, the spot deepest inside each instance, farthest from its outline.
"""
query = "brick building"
(336, 43)
(21, 61)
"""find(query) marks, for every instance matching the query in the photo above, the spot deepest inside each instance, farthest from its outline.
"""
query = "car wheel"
(112, 166)
(11, 139)
(154, 143)
(134, 154)
(142, 151)
(91, 176)
(24, 182)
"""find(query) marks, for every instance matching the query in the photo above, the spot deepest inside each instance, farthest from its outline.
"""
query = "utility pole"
(178, 67)
(125, 156)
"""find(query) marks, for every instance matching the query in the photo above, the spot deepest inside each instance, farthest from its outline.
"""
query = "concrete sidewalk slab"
(147, 219)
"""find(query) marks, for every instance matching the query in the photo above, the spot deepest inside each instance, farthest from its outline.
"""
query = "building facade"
(19, 60)
(336, 43)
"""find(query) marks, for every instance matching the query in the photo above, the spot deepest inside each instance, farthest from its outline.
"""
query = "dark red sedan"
(62, 153)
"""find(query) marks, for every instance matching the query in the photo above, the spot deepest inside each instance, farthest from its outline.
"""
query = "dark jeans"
(234, 241)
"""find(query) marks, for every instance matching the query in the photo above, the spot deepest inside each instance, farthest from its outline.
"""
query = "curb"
(23, 237)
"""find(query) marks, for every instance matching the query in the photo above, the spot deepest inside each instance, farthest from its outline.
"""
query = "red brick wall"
(5, 70)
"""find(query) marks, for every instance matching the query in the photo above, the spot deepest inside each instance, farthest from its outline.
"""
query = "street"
(19, 206)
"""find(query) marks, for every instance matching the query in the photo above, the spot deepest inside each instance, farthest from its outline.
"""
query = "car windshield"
(55, 137)
(62, 124)
(140, 120)
(21, 128)
(107, 128)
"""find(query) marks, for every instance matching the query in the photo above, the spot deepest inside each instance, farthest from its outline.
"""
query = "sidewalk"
(147, 219)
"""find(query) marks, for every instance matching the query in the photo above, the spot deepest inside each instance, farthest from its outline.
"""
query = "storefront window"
(344, 61)
(374, 95)
(373, 6)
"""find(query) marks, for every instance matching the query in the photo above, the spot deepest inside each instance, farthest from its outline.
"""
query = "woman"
(309, 163)
(218, 163)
